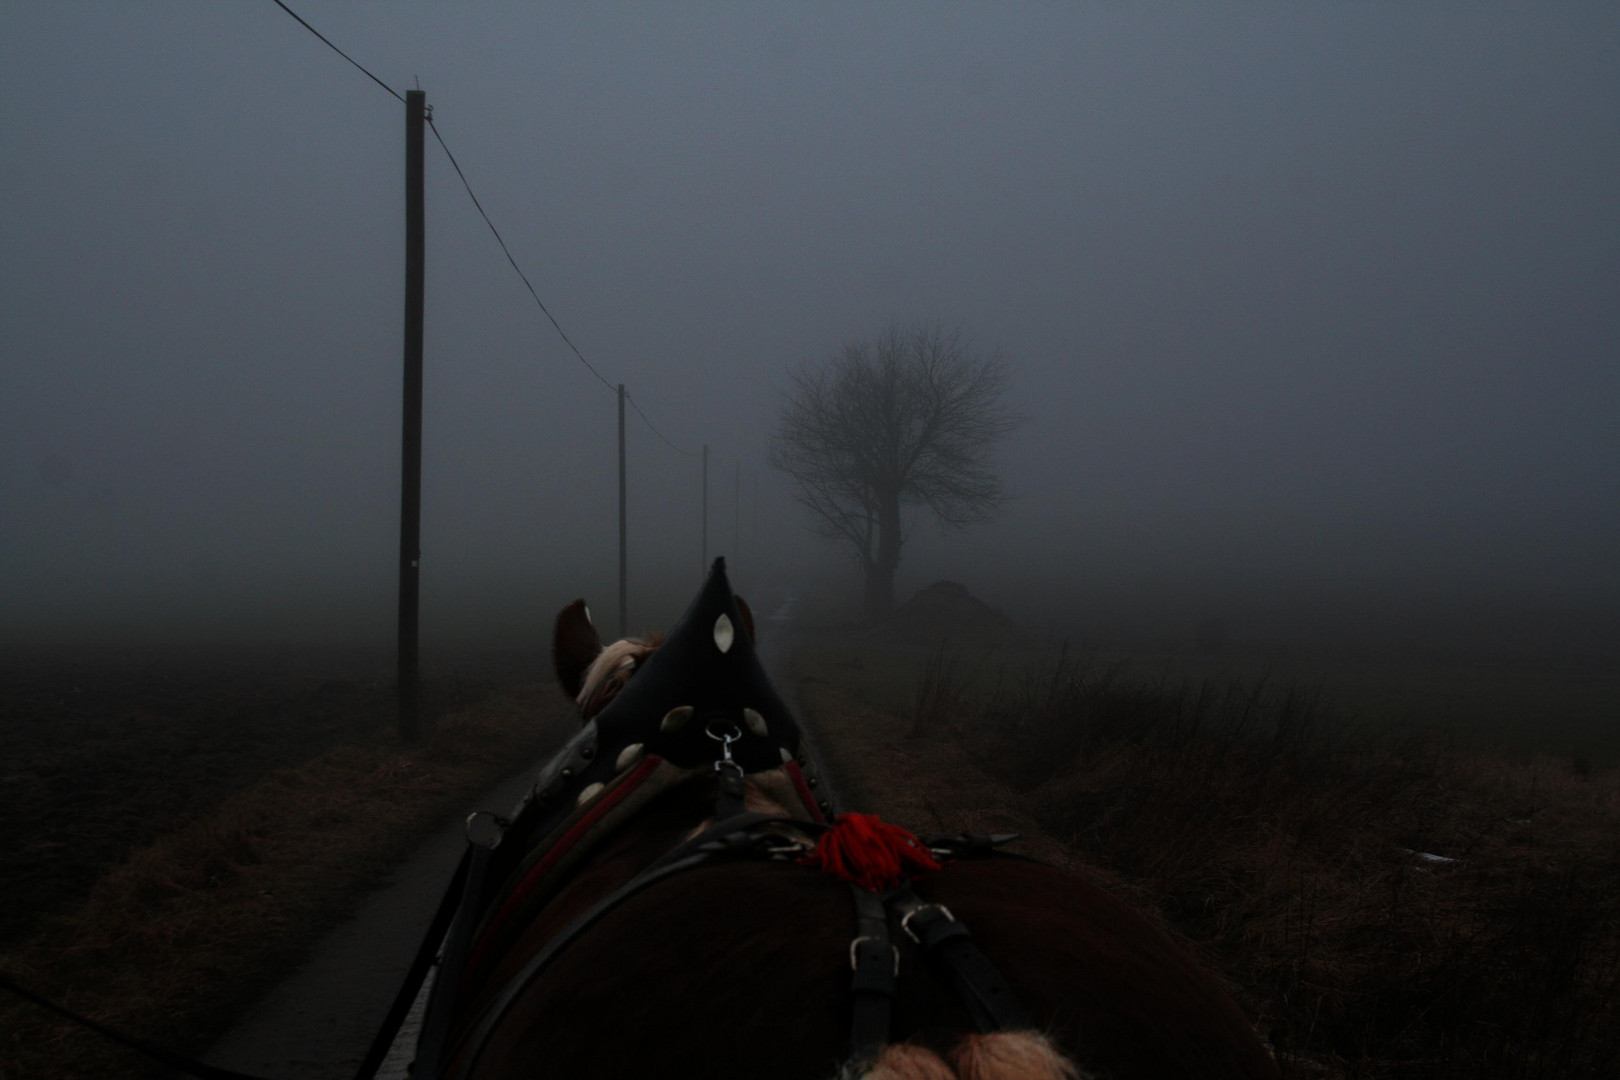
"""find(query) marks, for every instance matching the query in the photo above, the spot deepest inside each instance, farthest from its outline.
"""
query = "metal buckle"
(905, 920)
(893, 948)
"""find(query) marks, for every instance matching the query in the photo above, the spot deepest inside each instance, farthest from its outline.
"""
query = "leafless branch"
(912, 417)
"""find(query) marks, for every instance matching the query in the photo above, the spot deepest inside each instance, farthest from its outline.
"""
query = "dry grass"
(173, 941)
(1283, 848)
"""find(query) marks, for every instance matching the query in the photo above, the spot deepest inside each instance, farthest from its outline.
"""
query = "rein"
(176, 1061)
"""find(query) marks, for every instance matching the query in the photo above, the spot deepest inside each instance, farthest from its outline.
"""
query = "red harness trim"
(805, 794)
(870, 853)
(514, 900)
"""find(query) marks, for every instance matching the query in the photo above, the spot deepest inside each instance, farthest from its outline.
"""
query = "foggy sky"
(1304, 302)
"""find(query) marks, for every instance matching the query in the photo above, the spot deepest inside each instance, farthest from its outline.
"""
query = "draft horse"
(672, 900)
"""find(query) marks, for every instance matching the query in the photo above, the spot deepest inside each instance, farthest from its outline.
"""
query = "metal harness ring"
(725, 738)
(490, 836)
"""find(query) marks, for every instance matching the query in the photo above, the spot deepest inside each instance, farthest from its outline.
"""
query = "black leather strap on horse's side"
(952, 951)
(876, 968)
(425, 953)
(457, 946)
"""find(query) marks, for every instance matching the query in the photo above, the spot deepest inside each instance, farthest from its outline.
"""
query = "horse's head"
(593, 674)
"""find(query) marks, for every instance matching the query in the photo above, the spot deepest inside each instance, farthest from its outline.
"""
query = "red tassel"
(870, 853)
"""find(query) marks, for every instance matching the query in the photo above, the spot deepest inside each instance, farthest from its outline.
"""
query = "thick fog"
(1314, 309)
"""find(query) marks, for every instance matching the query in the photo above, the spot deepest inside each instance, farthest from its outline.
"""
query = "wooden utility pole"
(410, 492)
(624, 602)
(705, 510)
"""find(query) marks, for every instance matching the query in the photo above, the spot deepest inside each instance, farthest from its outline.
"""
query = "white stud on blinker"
(628, 757)
(724, 635)
(676, 718)
(755, 722)
(591, 791)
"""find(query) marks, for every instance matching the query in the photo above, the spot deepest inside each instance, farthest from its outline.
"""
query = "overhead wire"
(339, 51)
(507, 252)
(477, 204)
(654, 428)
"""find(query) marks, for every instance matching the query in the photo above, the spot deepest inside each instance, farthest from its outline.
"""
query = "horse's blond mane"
(611, 670)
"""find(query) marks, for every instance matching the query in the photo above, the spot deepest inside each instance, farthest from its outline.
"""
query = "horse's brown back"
(742, 969)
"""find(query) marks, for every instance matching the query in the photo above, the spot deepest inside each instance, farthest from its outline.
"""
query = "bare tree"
(908, 419)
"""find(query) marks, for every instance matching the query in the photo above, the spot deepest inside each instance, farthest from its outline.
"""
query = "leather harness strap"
(876, 964)
(950, 949)
(953, 952)
(733, 787)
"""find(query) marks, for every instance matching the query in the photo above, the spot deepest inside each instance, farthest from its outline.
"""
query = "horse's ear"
(574, 644)
(747, 616)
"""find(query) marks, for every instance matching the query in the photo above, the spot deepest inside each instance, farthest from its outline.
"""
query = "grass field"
(180, 829)
(1506, 705)
(1386, 899)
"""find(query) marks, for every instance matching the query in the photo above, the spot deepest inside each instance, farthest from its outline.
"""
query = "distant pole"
(624, 602)
(705, 509)
(410, 494)
(736, 515)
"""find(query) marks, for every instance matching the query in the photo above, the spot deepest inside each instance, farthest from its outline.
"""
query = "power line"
(555, 325)
(339, 51)
(497, 234)
(655, 431)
